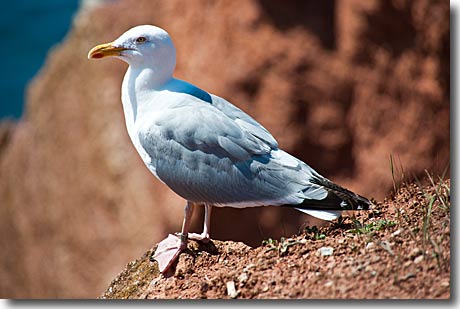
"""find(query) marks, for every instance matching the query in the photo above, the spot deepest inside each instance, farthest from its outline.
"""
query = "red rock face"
(341, 84)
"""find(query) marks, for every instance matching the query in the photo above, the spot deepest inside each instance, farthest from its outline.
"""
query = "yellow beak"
(105, 50)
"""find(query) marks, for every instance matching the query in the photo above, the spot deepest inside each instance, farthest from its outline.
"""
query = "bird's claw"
(168, 251)
(204, 237)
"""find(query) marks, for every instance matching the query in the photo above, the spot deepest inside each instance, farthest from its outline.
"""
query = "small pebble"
(445, 284)
(418, 259)
(370, 245)
(231, 291)
(415, 252)
(408, 276)
(247, 268)
(325, 251)
(243, 278)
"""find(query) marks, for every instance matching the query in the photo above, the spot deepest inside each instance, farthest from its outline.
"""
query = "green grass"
(281, 246)
(438, 200)
(317, 235)
(371, 227)
(402, 175)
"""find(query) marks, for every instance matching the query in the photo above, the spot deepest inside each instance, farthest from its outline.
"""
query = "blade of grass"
(426, 221)
(392, 172)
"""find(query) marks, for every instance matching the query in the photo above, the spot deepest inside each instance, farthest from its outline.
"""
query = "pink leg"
(204, 237)
(168, 250)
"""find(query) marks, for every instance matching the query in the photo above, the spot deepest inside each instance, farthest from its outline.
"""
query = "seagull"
(205, 149)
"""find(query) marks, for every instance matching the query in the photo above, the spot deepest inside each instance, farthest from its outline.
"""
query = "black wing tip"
(335, 203)
(362, 203)
(344, 198)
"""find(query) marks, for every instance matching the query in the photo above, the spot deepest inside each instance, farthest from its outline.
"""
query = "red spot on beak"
(97, 55)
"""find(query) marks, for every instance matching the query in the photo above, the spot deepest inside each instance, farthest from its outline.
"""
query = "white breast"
(134, 124)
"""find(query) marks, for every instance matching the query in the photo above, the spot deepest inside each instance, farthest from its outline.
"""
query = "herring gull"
(205, 149)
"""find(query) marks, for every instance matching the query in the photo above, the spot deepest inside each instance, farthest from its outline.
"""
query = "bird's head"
(142, 46)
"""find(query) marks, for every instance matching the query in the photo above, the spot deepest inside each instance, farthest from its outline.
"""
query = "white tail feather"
(322, 214)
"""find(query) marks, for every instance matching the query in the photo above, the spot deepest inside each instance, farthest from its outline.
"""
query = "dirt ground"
(400, 249)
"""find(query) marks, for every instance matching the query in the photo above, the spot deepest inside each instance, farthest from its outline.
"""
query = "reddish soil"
(400, 249)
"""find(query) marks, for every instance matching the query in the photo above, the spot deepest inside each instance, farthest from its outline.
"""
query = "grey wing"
(220, 156)
(245, 121)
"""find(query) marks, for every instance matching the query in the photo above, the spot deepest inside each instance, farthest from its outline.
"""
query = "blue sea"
(28, 29)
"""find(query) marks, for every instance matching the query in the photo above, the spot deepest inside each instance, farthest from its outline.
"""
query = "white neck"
(138, 86)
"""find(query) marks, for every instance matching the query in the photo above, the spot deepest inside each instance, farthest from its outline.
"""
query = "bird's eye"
(141, 39)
